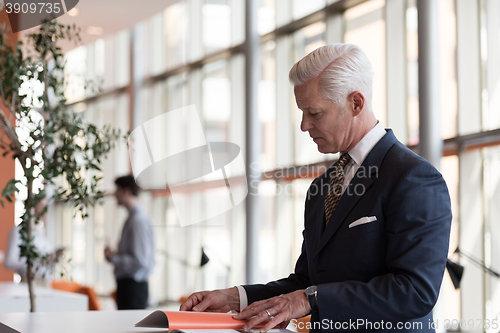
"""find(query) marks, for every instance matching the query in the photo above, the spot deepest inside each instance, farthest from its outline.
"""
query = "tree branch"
(6, 124)
(46, 87)
(10, 131)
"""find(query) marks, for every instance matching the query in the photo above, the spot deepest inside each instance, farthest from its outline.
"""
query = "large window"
(192, 53)
(306, 40)
(365, 26)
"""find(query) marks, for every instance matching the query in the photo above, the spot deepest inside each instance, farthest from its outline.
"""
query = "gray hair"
(341, 69)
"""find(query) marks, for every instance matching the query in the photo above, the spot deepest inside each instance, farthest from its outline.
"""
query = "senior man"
(377, 223)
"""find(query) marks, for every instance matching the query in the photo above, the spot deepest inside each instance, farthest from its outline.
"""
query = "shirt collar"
(134, 209)
(361, 150)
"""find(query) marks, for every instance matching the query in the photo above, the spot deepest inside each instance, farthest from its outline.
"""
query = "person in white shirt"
(42, 270)
(134, 260)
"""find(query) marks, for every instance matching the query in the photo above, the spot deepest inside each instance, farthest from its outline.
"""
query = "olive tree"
(55, 146)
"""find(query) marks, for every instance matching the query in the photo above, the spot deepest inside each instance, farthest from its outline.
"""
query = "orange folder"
(192, 320)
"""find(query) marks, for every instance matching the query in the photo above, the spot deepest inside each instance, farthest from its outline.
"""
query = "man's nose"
(305, 124)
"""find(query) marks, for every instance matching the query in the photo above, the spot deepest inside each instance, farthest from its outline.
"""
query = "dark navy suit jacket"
(387, 272)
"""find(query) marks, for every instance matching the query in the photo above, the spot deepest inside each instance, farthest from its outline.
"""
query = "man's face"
(120, 195)
(328, 126)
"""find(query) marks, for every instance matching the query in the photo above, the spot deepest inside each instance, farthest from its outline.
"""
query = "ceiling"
(110, 15)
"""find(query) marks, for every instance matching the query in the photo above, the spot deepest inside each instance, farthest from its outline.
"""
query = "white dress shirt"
(135, 257)
(358, 155)
(13, 260)
(360, 151)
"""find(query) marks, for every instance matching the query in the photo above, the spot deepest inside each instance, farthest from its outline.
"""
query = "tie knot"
(343, 160)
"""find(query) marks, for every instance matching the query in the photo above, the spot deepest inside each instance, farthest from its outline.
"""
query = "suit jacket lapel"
(359, 184)
(317, 206)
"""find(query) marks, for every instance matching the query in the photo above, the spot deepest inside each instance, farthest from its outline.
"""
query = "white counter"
(76, 322)
(15, 298)
(85, 322)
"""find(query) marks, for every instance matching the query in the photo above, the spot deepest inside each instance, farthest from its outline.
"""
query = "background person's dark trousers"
(131, 294)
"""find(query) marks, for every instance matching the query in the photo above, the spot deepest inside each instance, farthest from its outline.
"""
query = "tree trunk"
(30, 287)
(29, 205)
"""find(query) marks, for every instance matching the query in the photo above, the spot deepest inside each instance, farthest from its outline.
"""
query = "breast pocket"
(357, 228)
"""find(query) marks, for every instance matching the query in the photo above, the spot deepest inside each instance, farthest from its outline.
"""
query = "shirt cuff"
(112, 259)
(243, 297)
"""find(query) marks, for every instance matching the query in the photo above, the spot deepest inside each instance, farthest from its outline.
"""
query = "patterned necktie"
(335, 189)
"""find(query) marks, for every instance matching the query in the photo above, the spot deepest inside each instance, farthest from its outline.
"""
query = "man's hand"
(58, 254)
(53, 257)
(107, 253)
(223, 300)
(282, 309)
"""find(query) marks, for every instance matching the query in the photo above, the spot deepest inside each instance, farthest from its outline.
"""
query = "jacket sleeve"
(418, 221)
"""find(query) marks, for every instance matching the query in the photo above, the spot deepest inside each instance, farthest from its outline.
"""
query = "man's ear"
(356, 102)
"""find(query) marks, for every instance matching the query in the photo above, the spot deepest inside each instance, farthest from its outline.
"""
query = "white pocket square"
(363, 220)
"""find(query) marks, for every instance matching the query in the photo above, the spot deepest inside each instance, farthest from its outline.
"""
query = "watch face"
(311, 290)
(311, 293)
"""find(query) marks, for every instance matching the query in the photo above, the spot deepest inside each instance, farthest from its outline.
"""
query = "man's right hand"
(107, 253)
(222, 300)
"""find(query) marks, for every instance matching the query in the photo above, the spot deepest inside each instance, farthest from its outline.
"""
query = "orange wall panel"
(7, 172)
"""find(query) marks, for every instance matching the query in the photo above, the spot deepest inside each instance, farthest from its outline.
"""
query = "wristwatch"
(312, 296)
